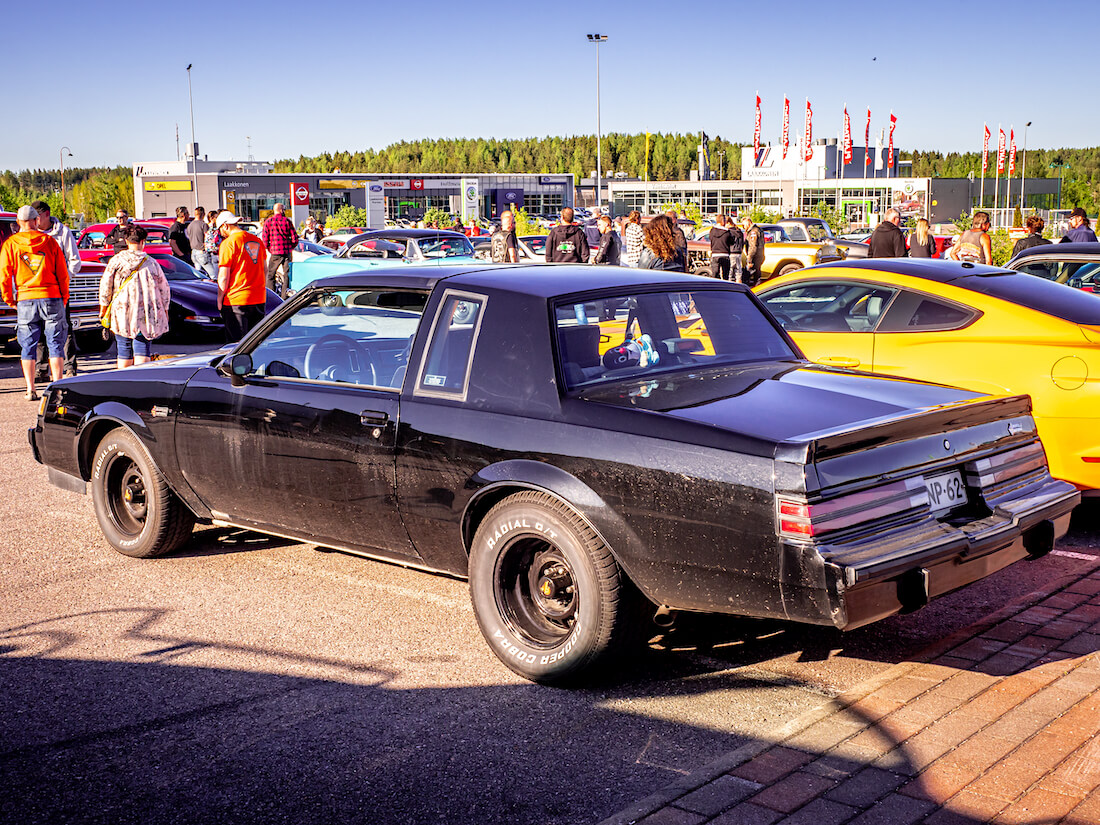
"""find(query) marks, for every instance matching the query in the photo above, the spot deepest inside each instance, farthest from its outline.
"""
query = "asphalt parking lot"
(247, 679)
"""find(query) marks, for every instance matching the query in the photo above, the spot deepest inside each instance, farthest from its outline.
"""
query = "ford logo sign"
(374, 187)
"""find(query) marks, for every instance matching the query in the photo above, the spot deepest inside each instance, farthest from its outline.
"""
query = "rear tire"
(548, 595)
(137, 512)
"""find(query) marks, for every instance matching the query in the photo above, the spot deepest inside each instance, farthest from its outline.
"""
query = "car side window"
(915, 312)
(833, 306)
(345, 336)
(445, 368)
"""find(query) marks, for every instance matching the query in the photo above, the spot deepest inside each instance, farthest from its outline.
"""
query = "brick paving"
(997, 724)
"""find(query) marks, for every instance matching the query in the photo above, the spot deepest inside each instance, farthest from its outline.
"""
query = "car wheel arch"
(100, 422)
(498, 481)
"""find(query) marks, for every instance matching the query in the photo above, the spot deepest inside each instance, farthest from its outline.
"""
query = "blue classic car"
(386, 247)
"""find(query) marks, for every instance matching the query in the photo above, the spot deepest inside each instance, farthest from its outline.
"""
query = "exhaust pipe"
(664, 617)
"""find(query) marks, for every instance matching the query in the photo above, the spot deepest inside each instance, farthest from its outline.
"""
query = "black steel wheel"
(138, 513)
(548, 595)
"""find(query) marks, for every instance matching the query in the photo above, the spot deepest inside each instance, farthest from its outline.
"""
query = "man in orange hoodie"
(35, 280)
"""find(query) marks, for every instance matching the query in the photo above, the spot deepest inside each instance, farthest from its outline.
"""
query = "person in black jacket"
(610, 248)
(1034, 237)
(720, 249)
(888, 241)
(678, 234)
(177, 235)
(659, 248)
(114, 238)
(566, 242)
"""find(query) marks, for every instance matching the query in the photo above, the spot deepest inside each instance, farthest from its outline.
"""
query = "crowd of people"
(658, 243)
(37, 264)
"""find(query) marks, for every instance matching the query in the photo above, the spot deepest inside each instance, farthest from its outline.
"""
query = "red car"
(90, 241)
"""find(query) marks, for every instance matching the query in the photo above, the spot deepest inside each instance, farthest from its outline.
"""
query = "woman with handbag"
(134, 298)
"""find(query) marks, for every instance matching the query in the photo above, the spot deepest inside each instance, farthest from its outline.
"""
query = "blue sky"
(304, 78)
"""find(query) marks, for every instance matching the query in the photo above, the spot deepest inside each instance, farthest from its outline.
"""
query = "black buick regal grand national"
(585, 444)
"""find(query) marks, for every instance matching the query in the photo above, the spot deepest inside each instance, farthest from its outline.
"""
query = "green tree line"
(97, 193)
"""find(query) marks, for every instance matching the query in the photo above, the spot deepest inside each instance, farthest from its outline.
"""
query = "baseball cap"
(1078, 212)
(26, 213)
(224, 217)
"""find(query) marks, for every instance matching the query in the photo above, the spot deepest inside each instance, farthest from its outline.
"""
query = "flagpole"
(985, 158)
(1008, 177)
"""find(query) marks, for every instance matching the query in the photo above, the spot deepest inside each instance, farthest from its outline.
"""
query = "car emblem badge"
(946, 444)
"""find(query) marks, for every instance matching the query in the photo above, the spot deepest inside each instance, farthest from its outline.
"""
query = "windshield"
(635, 335)
(176, 270)
(819, 232)
(536, 242)
(447, 247)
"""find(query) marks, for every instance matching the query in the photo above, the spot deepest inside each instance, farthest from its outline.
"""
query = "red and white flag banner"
(867, 141)
(807, 148)
(756, 133)
(1001, 152)
(985, 150)
(786, 126)
(890, 153)
(1011, 153)
(847, 137)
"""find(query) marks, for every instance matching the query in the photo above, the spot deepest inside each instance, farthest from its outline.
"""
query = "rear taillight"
(800, 520)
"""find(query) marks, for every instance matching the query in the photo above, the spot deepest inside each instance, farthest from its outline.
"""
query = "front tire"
(789, 268)
(137, 512)
(548, 595)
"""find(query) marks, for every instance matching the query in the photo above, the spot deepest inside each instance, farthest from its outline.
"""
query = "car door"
(295, 432)
(832, 321)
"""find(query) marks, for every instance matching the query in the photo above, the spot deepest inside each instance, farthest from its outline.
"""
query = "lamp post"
(194, 148)
(1023, 171)
(721, 164)
(61, 154)
(598, 39)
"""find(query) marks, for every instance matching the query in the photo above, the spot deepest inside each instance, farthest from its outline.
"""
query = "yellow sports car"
(976, 327)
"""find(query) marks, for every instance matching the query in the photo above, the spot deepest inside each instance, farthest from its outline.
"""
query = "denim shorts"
(36, 315)
(129, 347)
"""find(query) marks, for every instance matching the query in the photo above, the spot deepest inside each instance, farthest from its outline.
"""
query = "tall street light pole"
(61, 154)
(194, 147)
(1023, 171)
(598, 39)
(721, 164)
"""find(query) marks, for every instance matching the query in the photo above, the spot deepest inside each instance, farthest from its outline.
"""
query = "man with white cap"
(35, 280)
(242, 278)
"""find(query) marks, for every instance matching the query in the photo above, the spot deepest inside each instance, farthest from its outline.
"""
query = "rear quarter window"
(445, 367)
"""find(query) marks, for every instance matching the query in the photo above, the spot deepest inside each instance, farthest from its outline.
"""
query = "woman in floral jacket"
(136, 293)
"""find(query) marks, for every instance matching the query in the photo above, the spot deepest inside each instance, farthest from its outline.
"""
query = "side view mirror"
(1076, 283)
(235, 368)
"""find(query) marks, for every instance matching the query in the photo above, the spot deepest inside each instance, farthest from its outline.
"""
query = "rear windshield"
(1057, 300)
(628, 336)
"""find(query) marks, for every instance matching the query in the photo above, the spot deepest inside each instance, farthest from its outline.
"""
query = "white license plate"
(945, 491)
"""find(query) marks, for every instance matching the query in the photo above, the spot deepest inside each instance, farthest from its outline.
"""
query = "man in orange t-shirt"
(242, 278)
(34, 278)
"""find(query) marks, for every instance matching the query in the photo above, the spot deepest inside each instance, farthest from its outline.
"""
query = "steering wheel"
(346, 352)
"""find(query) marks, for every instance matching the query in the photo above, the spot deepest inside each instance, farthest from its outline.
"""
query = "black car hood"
(778, 400)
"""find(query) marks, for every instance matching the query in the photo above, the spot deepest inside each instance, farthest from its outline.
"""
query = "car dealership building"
(861, 191)
(251, 190)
